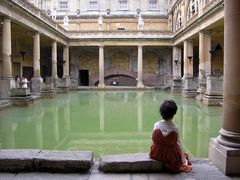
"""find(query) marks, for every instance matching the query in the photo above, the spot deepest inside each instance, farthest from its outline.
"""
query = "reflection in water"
(106, 122)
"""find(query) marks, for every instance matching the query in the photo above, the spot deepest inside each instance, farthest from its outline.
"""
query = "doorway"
(83, 77)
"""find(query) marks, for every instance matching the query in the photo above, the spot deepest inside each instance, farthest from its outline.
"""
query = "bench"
(129, 163)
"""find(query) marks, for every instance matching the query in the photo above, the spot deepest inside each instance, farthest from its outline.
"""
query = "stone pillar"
(6, 50)
(224, 151)
(140, 67)
(54, 59)
(208, 56)
(66, 64)
(36, 80)
(7, 82)
(176, 64)
(202, 74)
(185, 59)
(189, 84)
(101, 67)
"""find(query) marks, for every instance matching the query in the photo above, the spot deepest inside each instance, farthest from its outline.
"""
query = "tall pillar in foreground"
(36, 80)
(7, 82)
(101, 67)
(224, 151)
(140, 67)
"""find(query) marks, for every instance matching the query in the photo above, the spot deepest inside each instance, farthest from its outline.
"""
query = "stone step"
(44, 160)
(129, 163)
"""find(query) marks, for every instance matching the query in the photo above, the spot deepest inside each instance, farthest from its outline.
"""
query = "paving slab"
(13, 160)
(63, 161)
(129, 163)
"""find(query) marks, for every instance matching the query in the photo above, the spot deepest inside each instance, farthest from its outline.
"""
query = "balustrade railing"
(38, 13)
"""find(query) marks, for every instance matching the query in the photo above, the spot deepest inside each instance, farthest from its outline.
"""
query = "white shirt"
(166, 127)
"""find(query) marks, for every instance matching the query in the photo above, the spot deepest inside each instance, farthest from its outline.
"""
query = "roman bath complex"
(186, 46)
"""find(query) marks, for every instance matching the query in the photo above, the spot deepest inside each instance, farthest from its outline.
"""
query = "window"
(63, 5)
(152, 5)
(193, 8)
(123, 5)
(179, 20)
(93, 5)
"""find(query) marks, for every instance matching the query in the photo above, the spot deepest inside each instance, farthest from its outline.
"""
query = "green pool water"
(106, 122)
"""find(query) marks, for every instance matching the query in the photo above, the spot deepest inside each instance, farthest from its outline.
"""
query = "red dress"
(167, 150)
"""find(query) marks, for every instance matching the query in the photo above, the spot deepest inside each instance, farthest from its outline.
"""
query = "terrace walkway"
(202, 169)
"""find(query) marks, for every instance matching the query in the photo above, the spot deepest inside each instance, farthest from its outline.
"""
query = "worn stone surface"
(20, 92)
(63, 161)
(139, 162)
(17, 160)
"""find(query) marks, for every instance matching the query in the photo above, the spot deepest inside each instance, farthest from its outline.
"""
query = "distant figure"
(24, 82)
(66, 21)
(54, 14)
(140, 22)
(18, 81)
(166, 145)
(100, 23)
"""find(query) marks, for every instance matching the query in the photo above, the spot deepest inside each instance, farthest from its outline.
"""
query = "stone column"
(101, 67)
(208, 56)
(6, 50)
(140, 67)
(176, 64)
(185, 58)
(36, 80)
(54, 59)
(202, 74)
(66, 64)
(7, 82)
(224, 151)
(189, 85)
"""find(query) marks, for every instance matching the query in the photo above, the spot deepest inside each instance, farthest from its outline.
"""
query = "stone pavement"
(202, 169)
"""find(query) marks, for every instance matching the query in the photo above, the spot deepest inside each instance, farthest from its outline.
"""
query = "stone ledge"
(17, 160)
(50, 161)
(63, 161)
(129, 163)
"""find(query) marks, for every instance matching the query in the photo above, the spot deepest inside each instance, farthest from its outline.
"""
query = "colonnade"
(36, 79)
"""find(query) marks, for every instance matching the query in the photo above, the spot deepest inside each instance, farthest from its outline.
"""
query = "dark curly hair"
(168, 109)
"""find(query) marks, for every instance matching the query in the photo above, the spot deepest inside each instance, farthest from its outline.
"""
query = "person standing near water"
(166, 145)
(24, 82)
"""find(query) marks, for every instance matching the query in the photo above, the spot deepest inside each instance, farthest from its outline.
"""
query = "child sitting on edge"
(166, 146)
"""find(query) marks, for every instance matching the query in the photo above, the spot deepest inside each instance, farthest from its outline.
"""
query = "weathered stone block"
(17, 160)
(129, 163)
(20, 92)
(214, 86)
(177, 85)
(63, 161)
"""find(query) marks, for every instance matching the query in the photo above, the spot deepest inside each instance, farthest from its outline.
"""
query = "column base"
(176, 86)
(36, 85)
(212, 100)
(62, 85)
(5, 86)
(189, 88)
(48, 91)
(140, 85)
(226, 159)
(101, 86)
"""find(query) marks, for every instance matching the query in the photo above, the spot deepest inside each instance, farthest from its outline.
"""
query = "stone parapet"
(131, 163)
